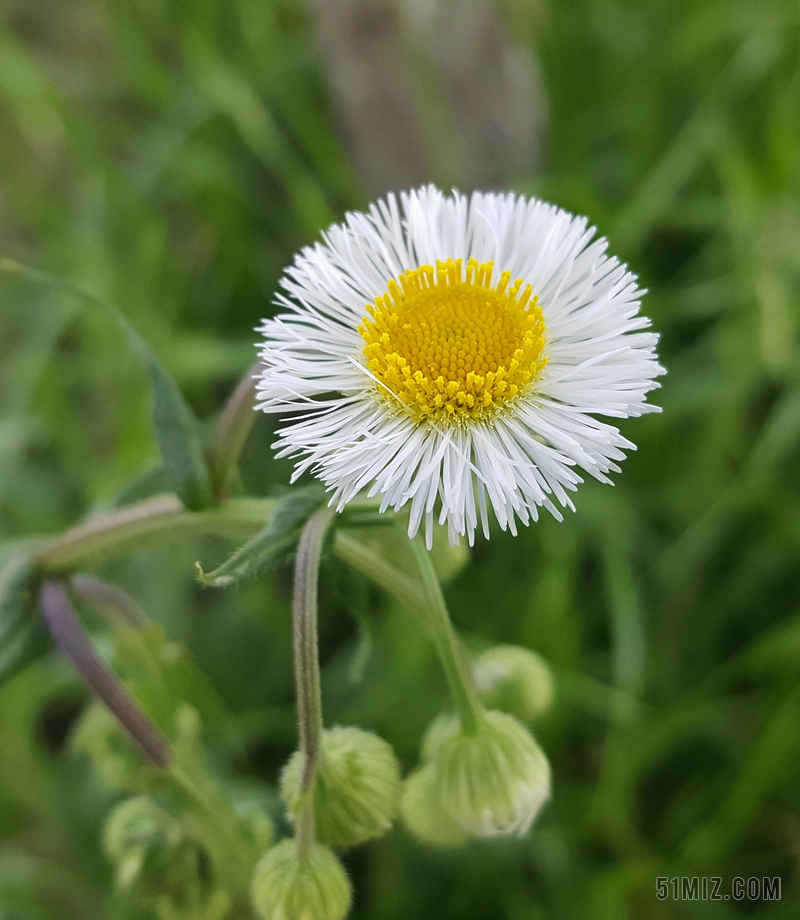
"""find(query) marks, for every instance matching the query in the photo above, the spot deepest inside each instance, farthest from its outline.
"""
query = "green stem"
(454, 662)
(375, 567)
(429, 604)
(161, 517)
(306, 667)
(217, 819)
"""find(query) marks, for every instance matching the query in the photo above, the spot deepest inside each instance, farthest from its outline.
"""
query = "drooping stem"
(306, 667)
(459, 677)
(73, 642)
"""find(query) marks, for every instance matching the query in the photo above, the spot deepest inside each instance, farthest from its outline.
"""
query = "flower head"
(453, 354)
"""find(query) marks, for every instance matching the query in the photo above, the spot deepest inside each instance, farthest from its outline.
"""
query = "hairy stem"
(459, 677)
(306, 667)
(429, 605)
(73, 642)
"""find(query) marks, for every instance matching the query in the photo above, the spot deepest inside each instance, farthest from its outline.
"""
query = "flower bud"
(288, 888)
(143, 840)
(443, 727)
(495, 781)
(514, 680)
(423, 814)
(356, 786)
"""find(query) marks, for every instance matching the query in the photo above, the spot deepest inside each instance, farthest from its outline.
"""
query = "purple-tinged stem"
(73, 642)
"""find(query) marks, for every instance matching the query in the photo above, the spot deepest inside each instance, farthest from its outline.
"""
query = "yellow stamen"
(453, 347)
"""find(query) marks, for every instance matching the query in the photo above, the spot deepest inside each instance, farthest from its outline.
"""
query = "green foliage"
(178, 440)
(266, 548)
(182, 457)
(23, 637)
(172, 157)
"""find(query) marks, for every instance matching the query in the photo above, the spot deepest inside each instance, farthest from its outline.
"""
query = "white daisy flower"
(452, 354)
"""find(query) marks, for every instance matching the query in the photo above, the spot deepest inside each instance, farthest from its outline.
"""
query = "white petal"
(342, 427)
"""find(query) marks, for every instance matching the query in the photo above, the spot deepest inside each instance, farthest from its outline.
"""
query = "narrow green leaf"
(15, 572)
(150, 483)
(259, 553)
(23, 636)
(295, 508)
(270, 544)
(178, 439)
(176, 428)
(23, 646)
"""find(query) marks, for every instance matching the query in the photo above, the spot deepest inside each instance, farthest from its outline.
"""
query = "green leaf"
(178, 439)
(28, 643)
(150, 483)
(296, 507)
(161, 675)
(179, 442)
(276, 540)
(15, 572)
(23, 635)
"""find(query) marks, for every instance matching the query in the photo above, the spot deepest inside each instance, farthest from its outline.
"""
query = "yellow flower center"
(450, 345)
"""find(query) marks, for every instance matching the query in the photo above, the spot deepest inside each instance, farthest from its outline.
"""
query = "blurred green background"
(173, 154)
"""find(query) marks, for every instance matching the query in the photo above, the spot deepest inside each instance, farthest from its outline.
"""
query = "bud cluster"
(355, 796)
(494, 782)
(488, 783)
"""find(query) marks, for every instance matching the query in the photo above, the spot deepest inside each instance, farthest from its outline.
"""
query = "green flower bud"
(286, 888)
(514, 680)
(143, 840)
(356, 786)
(444, 726)
(423, 814)
(494, 782)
